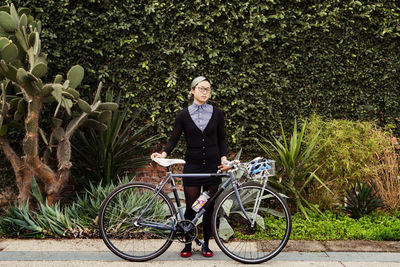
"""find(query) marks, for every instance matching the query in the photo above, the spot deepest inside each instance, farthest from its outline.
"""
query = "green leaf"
(47, 90)
(9, 52)
(3, 42)
(84, 106)
(21, 40)
(75, 76)
(98, 126)
(39, 70)
(73, 92)
(23, 21)
(57, 122)
(37, 45)
(225, 231)
(227, 206)
(7, 22)
(24, 10)
(3, 129)
(14, 14)
(35, 190)
(108, 106)
(105, 116)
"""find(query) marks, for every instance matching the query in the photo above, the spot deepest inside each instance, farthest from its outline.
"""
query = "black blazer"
(203, 149)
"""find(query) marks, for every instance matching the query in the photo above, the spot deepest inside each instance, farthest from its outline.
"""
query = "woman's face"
(201, 92)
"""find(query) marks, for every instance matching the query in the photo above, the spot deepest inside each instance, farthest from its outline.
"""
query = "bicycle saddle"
(168, 162)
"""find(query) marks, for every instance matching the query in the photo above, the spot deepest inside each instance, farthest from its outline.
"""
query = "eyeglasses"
(204, 89)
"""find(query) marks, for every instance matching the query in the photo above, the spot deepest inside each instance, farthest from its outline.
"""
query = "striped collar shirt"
(201, 114)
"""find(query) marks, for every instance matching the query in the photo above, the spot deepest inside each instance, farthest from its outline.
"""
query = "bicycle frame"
(170, 178)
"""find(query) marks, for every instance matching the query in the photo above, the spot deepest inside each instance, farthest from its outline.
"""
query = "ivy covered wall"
(268, 60)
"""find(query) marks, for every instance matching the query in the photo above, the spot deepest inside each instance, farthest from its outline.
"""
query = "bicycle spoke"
(129, 229)
(257, 243)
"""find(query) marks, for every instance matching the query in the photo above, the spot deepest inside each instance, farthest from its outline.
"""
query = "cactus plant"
(7, 22)
(75, 76)
(9, 52)
(39, 70)
(23, 65)
(3, 41)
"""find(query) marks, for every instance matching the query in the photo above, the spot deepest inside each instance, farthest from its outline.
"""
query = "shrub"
(386, 175)
(348, 152)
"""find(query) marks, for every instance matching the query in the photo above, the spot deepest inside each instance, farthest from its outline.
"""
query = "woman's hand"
(158, 155)
(223, 160)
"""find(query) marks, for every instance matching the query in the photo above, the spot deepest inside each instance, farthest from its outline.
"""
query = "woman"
(203, 125)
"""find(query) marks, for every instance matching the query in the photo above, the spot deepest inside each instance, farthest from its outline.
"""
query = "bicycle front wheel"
(238, 237)
(135, 223)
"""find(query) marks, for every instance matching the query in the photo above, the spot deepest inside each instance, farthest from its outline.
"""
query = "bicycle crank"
(186, 231)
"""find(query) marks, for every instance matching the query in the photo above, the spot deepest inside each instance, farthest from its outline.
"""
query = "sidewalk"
(93, 252)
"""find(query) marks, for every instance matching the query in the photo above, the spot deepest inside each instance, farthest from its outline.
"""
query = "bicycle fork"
(256, 207)
(257, 204)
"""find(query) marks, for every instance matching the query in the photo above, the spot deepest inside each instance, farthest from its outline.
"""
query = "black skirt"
(199, 181)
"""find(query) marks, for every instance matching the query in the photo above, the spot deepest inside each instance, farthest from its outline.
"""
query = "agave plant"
(294, 159)
(106, 155)
(230, 207)
(18, 221)
(78, 219)
(87, 205)
(361, 200)
(48, 220)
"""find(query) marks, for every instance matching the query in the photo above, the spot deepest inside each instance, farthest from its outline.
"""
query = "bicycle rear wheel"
(251, 244)
(128, 237)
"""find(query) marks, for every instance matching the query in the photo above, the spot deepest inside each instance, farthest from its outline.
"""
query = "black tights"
(191, 194)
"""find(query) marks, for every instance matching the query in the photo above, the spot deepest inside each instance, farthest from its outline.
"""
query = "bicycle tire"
(246, 244)
(117, 217)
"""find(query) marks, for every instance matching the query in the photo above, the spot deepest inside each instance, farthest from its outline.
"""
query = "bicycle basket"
(260, 168)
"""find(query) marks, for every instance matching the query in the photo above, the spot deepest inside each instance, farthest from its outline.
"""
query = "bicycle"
(251, 222)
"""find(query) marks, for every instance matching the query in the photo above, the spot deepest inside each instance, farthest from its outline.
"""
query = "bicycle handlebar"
(224, 168)
(229, 165)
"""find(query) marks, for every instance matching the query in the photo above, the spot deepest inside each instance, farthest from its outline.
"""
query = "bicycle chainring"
(184, 235)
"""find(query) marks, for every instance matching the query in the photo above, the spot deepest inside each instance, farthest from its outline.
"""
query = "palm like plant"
(362, 200)
(294, 159)
(104, 156)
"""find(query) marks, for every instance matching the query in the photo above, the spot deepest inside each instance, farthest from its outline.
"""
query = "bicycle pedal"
(198, 242)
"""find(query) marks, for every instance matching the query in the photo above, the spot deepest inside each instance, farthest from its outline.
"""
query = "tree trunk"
(33, 167)
(26, 186)
(63, 173)
(31, 150)
(22, 171)
(54, 194)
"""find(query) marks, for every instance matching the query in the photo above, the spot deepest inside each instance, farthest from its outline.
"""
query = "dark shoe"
(207, 252)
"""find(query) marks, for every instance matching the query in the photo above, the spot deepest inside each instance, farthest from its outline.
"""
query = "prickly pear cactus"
(24, 64)
(23, 69)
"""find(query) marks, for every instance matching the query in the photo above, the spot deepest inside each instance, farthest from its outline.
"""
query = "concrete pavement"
(93, 252)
